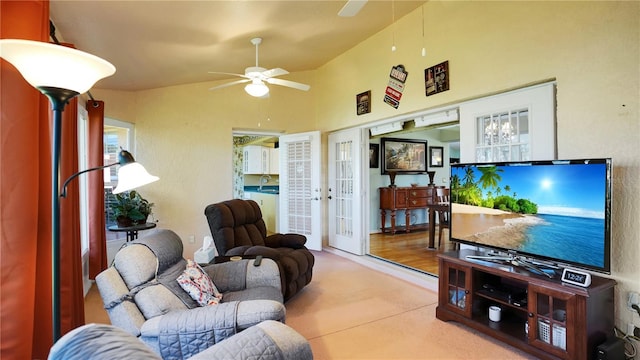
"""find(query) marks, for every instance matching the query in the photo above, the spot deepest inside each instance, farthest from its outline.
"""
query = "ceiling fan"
(256, 76)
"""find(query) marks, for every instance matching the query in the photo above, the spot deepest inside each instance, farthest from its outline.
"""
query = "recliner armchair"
(237, 228)
(142, 296)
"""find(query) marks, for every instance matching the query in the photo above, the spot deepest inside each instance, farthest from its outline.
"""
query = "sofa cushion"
(198, 284)
(136, 264)
(156, 300)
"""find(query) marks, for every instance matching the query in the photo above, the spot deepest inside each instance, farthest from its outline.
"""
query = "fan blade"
(226, 73)
(274, 72)
(351, 8)
(230, 84)
(287, 83)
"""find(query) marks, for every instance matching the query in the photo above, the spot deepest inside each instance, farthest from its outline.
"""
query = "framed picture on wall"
(404, 156)
(374, 156)
(436, 78)
(436, 156)
(363, 103)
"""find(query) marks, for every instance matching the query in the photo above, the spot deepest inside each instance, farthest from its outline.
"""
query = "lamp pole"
(58, 98)
(60, 73)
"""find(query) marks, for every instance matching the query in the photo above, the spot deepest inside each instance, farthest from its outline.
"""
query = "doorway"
(292, 160)
(498, 127)
(411, 250)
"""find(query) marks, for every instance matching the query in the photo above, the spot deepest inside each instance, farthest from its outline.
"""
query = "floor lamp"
(60, 73)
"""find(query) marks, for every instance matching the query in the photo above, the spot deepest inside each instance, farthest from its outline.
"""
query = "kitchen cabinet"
(274, 161)
(255, 160)
(268, 206)
(261, 160)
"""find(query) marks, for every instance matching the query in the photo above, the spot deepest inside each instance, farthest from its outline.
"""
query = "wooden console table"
(408, 199)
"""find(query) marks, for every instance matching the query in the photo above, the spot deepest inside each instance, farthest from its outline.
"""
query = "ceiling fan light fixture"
(257, 89)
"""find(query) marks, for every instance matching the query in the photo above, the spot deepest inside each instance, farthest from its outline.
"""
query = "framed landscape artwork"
(404, 156)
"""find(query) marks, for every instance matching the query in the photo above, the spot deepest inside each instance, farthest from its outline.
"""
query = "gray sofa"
(267, 340)
(142, 296)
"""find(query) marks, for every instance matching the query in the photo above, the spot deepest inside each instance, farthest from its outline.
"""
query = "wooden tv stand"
(542, 316)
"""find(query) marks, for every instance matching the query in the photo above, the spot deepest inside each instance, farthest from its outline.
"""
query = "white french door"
(300, 192)
(346, 191)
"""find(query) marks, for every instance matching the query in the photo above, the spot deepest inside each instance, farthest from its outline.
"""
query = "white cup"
(494, 313)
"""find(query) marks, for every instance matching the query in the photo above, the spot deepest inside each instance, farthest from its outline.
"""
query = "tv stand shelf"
(542, 316)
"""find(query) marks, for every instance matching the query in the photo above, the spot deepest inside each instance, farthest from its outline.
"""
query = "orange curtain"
(25, 202)
(97, 221)
(71, 289)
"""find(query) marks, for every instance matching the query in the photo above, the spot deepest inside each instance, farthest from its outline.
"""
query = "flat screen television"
(557, 211)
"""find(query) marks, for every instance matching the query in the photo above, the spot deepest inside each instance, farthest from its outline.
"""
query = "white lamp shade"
(257, 88)
(48, 65)
(131, 176)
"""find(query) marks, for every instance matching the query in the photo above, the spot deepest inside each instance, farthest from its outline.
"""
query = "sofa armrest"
(278, 339)
(266, 252)
(267, 274)
(237, 251)
(240, 275)
(100, 342)
(124, 314)
(294, 241)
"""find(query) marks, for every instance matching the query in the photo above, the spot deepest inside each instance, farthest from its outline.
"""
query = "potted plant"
(129, 209)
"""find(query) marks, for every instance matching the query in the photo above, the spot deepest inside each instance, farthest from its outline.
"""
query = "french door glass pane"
(344, 190)
(114, 138)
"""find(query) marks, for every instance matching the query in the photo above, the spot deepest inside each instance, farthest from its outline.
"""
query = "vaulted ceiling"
(163, 43)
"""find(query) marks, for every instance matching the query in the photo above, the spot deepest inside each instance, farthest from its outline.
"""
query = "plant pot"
(124, 221)
(141, 222)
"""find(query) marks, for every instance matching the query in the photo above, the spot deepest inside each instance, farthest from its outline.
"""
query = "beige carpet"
(350, 311)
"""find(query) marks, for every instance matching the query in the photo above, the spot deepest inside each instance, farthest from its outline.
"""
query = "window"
(117, 134)
(503, 136)
(517, 125)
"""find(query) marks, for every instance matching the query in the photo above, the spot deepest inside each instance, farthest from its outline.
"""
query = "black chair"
(238, 229)
(444, 216)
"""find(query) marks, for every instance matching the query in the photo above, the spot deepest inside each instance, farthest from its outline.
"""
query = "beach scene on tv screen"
(555, 211)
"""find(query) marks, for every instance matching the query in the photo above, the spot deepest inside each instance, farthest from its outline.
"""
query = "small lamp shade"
(131, 176)
(48, 65)
(257, 88)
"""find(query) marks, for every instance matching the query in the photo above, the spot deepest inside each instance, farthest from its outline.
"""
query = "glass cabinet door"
(549, 317)
(458, 280)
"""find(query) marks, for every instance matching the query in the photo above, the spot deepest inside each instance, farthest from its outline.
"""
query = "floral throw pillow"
(198, 285)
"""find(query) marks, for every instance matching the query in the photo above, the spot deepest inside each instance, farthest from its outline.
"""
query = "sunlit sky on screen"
(572, 190)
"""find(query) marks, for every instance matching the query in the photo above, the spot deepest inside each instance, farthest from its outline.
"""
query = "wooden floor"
(409, 249)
